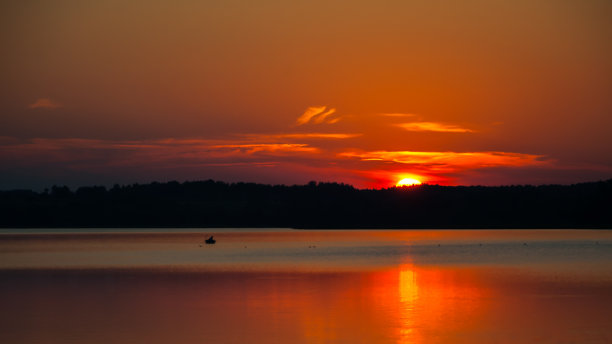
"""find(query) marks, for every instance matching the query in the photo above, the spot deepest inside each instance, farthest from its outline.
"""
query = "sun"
(408, 182)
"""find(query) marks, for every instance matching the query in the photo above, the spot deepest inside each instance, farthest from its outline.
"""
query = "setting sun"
(408, 182)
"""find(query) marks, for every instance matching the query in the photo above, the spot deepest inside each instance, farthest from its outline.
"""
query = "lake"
(305, 286)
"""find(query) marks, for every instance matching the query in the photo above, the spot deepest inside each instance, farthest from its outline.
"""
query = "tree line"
(314, 205)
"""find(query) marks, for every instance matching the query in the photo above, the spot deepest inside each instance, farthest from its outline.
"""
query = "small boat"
(210, 240)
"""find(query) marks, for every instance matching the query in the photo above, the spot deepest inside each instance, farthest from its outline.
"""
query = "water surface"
(292, 286)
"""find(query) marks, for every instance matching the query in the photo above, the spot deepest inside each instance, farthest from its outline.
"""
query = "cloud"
(279, 158)
(269, 147)
(433, 126)
(319, 136)
(397, 114)
(77, 153)
(309, 114)
(275, 137)
(317, 115)
(320, 118)
(449, 161)
(416, 125)
(44, 103)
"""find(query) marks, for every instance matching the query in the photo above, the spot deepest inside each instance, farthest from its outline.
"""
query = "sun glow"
(408, 182)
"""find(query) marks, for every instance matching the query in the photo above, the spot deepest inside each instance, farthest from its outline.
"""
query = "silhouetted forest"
(314, 205)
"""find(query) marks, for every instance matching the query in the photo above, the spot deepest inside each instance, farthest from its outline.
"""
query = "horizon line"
(109, 186)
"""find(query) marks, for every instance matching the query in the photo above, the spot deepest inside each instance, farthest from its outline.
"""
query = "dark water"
(288, 286)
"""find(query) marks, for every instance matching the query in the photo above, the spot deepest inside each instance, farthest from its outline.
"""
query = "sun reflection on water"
(408, 295)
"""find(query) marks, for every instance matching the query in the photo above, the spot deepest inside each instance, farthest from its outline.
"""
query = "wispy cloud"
(269, 147)
(170, 152)
(275, 137)
(44, 103)
(317, 115)
(321, 117)
(319, 136)
(449, 161)
(309, 114)
(412, 122)
(433, 126)
(400, 115)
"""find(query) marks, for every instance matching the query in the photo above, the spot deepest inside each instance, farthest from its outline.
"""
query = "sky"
(476, 92)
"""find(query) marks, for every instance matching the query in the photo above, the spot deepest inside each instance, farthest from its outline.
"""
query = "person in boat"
(210, 240)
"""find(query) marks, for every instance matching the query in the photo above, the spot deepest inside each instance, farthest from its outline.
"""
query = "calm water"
(290, 286)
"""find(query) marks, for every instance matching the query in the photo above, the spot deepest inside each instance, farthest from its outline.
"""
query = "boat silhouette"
(210, 240)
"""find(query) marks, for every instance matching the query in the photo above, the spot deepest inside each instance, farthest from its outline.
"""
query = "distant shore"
(211, 204)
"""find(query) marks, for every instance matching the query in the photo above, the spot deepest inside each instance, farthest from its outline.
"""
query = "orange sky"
(477, 92)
